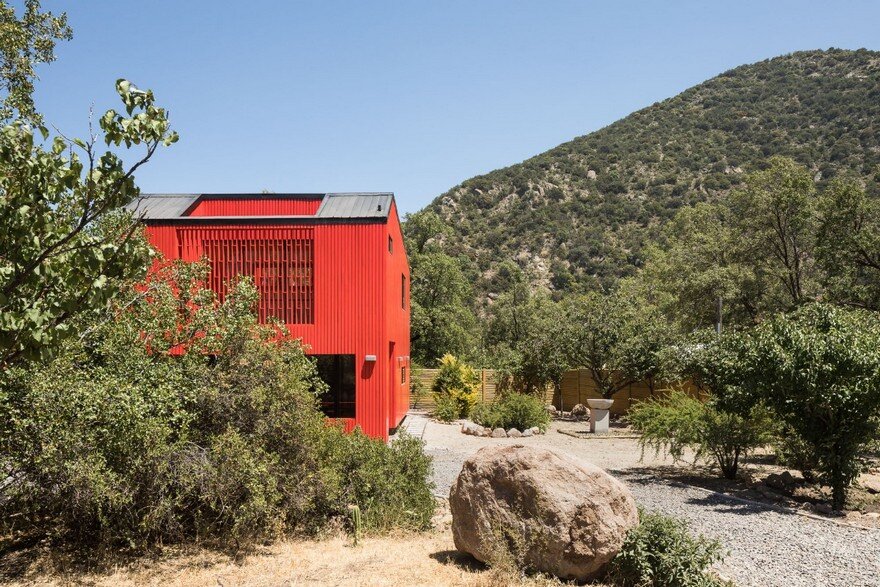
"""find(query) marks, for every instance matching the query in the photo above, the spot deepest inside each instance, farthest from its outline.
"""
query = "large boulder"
(557, 514)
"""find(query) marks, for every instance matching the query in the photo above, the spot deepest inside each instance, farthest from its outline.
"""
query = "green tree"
(773, 215)
(442, 321)
(743, 257)
(62, 239)
(818, 368)
(699, 264)
(523, 341)
(24, 43)
(599, 331)
(423, 231)
(848, 244)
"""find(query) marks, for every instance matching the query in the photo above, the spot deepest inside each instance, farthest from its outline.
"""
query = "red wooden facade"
(333, 267)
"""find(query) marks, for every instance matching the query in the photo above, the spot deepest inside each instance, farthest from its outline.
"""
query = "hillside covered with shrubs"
(584, 211)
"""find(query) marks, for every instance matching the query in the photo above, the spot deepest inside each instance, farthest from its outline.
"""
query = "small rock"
(499, 433)
(485, 432)
(551, 409)
(823, 508)
(871, 483)
(527, 432)
(872, 516)
(514, 433)
(535, 430)
(591, 174)
(580, 411)
(784, 481)
(470, 428)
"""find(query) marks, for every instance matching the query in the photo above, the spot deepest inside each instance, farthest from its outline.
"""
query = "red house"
(333, 267)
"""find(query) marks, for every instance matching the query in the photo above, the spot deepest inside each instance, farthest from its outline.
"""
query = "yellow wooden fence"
(576, 388)
(487, 392)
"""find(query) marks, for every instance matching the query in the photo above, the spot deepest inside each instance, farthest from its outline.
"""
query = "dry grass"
(411, 559)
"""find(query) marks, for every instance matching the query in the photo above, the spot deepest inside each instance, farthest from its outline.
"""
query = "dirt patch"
(408, 559)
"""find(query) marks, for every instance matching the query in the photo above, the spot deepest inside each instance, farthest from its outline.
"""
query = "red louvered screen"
(280, 261)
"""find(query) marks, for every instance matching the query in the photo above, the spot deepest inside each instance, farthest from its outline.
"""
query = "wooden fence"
(488, 387)
(577, 387)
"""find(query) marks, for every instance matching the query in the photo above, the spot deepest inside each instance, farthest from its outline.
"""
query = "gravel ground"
(766, 547)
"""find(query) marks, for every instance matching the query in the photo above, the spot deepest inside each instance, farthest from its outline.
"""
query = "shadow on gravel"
(730, 505)
(726, 497)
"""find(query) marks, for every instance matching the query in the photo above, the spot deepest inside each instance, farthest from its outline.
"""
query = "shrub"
(388, 484)
(512, 410)
(791, 451)
(456, 389)
(677, 421)
(660, 552)
(818, 368)
(446, 408)
(124, 439)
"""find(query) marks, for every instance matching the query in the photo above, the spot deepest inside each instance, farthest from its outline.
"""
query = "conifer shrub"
(456, 389)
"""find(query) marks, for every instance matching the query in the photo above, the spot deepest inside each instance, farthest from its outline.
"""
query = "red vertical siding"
(256, 207)
(357, 306)
(397, 318)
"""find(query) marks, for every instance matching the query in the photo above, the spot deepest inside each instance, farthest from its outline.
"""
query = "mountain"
(583, 211)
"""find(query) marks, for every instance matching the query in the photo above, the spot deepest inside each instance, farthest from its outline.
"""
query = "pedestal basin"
(599, 414)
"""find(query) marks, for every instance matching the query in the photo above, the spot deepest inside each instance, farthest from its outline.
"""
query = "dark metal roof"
(162, 206)
(355, 206)
(341, 206)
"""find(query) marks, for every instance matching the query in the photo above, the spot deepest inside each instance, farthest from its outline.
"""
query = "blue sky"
(407, 96)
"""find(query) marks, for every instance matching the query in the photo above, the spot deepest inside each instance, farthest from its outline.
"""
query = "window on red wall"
(403, 291)
(282, 269)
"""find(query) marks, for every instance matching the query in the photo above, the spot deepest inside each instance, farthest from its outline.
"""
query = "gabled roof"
(364, 206)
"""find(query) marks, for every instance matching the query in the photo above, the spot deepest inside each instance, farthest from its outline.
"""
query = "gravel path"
(766, 547)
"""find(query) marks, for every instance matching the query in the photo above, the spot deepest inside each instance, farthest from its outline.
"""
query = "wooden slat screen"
(280, 261)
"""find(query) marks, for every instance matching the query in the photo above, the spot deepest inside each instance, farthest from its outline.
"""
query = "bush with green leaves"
(818, 368)
(456, 389)
(677, 421)
(512, 410)
(660, 552)
(791, 451)
(176, 417)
